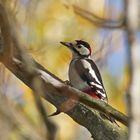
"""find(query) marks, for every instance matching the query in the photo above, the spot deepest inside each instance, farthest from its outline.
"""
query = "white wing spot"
(97, 85)
(101, 93)
(91, 71)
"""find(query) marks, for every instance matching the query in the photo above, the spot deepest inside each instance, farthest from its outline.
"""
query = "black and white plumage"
(83, 72)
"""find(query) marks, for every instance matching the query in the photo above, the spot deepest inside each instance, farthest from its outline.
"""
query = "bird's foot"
(67, 82)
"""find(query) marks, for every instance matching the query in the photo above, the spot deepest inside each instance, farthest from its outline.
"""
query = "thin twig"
(7, 39)
(98, 21)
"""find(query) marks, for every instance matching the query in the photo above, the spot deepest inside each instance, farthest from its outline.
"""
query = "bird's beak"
(68, 44)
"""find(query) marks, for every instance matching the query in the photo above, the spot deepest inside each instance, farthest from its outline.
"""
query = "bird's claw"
(67, 82)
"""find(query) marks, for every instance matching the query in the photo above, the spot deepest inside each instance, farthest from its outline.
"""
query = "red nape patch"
(90, 50)
(92, 93)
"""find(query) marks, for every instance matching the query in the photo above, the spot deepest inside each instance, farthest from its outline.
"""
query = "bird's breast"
(78, 83)
(75, 79)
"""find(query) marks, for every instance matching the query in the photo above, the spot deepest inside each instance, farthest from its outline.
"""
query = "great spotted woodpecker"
(83, 72)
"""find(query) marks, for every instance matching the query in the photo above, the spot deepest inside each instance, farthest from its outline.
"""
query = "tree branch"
(57, 93)
(98, 21)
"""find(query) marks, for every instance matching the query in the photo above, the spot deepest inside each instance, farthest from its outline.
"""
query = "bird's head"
(79, 48)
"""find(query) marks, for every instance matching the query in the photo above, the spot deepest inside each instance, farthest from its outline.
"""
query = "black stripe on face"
(75, 51)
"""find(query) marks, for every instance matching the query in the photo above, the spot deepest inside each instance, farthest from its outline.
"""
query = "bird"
(84, 74)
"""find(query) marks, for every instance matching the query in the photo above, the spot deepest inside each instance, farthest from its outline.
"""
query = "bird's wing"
(89, 72)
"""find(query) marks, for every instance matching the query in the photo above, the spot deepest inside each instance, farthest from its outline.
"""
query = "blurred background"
(41, 25)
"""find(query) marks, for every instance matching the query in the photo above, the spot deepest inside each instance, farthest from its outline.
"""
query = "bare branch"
(98, 21)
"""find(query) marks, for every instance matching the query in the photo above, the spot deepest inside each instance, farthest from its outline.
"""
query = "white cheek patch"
(83, 50)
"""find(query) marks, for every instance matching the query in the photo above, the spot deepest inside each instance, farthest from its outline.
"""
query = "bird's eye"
(79, 46)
